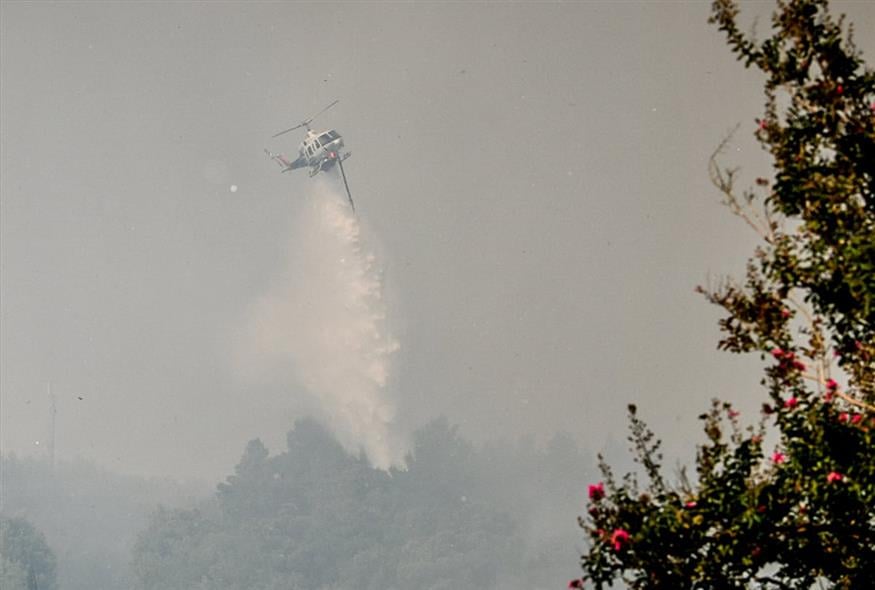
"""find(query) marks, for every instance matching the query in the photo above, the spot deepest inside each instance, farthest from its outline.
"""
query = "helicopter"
(319, 152)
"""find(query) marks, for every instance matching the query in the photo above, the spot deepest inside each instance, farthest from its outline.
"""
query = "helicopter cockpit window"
(327, 138)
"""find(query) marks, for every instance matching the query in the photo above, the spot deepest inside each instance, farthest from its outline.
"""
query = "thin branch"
(723, 180)
(804, 311)
(769, 224)
(820, 359)
(855, 401)
(839, 393)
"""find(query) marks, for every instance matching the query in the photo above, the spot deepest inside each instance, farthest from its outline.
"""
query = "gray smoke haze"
(323, 325)
(536, 174)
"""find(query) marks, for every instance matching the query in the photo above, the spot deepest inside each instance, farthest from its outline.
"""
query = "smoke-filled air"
(322, 327)
(381, 295)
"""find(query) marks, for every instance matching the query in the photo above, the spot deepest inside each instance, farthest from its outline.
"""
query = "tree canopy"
(26, 562)
(314, 517)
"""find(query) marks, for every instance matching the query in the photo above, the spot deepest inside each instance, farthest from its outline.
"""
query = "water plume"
(324, 321)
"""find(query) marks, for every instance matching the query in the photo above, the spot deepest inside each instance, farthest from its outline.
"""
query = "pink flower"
(778, 353)
(762, 124)
(785, 313)
(856, 418)
(831, 388)
(791, 402)
(840, 89)
(597, 491)
(798, 365)
(734, 414)
(619, 537)
(691, 504)
(843, 417)
(778, 457)
(578, 583)
(833, 476)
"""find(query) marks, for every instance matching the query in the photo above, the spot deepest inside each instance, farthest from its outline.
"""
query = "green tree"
(803, 512)
(315, 517)
(26, 562)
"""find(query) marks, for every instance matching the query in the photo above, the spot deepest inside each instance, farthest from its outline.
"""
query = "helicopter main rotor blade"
(289, 129)
(306, 122)
(322, 111)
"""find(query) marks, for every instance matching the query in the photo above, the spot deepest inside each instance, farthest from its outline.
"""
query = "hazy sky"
(533, 175)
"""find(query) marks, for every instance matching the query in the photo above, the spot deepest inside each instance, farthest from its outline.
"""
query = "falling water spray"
(324, 318)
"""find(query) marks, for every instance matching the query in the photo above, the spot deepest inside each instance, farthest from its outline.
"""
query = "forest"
(308, 516)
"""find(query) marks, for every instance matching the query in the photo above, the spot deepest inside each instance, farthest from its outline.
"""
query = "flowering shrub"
(804, 511)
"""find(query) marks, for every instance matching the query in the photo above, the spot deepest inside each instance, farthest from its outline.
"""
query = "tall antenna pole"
(54, 413)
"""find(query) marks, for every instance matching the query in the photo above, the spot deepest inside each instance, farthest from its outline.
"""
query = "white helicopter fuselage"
(322, 150)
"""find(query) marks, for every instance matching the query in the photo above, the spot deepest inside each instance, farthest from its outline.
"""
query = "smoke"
(323, 323)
